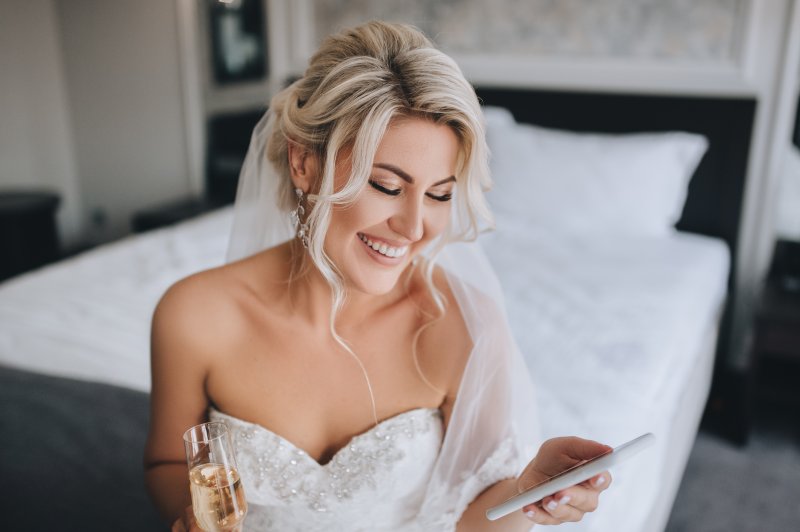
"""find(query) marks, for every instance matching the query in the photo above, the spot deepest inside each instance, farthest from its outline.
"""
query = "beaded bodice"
(376, 482)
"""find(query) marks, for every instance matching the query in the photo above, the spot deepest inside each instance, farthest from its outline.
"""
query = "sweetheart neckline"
(351, 441)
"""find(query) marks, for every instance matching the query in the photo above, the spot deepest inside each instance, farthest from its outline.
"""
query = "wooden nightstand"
(28, 234)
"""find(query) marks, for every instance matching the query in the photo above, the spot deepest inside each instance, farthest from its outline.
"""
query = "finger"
(178, 526)
(579, 497)
(599, 482)
(585, 496)
(536, 514)
(581, 449)
(191, 522)
(561, 509)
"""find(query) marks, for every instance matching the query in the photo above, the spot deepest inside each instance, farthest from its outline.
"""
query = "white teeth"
(383, 248)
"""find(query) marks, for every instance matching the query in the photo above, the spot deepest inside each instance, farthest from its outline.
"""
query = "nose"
(409, 221)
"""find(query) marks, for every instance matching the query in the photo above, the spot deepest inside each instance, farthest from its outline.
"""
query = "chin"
(369, 273)
(377, 285)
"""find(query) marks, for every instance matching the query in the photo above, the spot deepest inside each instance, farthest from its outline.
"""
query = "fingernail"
(552, 505)
(565, 499)
(599, 481)
(530, 514)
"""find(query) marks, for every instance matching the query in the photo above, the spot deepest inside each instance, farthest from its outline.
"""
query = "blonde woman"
(355, 343)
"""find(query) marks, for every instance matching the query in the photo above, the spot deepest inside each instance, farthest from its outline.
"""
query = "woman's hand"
(556, 455)
(187, 523)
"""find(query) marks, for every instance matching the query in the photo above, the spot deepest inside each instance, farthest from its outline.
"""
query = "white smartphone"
(570, 477)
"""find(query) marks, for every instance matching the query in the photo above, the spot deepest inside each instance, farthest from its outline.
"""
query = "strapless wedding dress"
(376, 482)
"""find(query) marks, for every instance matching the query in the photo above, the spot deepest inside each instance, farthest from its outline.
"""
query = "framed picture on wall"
(238, 41)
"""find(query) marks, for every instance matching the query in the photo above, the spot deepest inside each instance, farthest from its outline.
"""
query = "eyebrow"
(407, 178)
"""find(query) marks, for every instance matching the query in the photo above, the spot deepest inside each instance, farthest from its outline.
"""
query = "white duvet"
(89, 317)
(590, 311)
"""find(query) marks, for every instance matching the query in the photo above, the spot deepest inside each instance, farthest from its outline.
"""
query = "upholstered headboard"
(714, 203)
(713, 206)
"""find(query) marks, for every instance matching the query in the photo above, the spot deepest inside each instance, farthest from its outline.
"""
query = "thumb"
(581, 449)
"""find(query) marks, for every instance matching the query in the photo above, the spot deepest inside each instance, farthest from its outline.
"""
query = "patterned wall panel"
(693, 30)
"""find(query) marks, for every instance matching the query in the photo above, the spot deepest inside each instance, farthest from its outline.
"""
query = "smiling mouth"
(383, 248)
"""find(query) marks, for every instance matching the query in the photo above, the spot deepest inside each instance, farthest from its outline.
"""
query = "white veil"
(493, 431)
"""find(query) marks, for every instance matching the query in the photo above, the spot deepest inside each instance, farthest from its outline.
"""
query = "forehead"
(420, 145)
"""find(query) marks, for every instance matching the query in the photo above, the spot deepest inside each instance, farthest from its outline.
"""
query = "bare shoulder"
(195, 309)
(199, 320)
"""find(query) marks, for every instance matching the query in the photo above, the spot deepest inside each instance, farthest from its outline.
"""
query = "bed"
(619, 329)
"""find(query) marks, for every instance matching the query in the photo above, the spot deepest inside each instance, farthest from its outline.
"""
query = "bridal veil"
(493, 431)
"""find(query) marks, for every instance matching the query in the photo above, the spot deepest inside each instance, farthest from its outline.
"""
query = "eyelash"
(396, 192)
(381, 188)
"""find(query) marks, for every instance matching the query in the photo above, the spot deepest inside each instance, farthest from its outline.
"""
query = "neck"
(312, 296)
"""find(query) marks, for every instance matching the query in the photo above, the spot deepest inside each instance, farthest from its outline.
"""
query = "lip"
(392, 243)
(374, 255)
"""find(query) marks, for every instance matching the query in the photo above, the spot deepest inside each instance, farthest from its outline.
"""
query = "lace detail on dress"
(503, 463)
(379, 472)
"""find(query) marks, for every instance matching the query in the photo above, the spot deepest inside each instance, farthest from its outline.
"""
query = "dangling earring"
(301, 227)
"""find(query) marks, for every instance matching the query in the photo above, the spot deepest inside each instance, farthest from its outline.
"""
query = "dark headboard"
(714, 204)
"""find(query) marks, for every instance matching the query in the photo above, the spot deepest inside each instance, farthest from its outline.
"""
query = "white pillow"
(589, 183)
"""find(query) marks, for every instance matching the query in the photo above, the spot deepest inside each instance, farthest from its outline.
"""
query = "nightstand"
(28, 233)
(777, 333)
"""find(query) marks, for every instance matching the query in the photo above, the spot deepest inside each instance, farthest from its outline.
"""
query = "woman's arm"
(474, 517)
(179, 363)
(450, 342)
(168, 487)
(554, 456)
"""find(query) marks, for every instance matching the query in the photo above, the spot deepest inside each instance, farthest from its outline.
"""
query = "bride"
(355, 343)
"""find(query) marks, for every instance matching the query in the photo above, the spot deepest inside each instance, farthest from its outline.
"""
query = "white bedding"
(612, 328)
(589, 311)
(89, 317)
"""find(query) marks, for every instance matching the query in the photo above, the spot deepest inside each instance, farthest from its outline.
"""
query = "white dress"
(376, 482)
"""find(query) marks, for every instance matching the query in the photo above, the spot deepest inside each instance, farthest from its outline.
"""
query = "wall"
(124, 84)
(36, 148)
(701, 30)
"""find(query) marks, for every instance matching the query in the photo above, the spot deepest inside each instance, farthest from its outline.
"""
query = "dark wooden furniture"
(28, 232)
(776, 349)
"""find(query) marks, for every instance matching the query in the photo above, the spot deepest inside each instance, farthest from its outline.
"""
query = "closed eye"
(380, 188)
(443, 197)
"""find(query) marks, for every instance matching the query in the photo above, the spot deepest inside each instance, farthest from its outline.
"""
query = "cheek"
(437, 221)
(345, 221)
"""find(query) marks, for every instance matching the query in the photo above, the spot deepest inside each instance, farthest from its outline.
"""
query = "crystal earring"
(301, 227)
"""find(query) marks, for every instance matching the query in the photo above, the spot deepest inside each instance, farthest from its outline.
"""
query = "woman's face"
(404, 206)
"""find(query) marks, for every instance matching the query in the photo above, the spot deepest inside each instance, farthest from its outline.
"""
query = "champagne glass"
(218, 498)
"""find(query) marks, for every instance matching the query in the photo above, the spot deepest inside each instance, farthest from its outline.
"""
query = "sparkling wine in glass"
(218, 498)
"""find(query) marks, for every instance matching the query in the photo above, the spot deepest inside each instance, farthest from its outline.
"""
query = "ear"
(302, 166)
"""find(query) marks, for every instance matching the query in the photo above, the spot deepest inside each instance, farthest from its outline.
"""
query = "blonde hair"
(356, 84)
